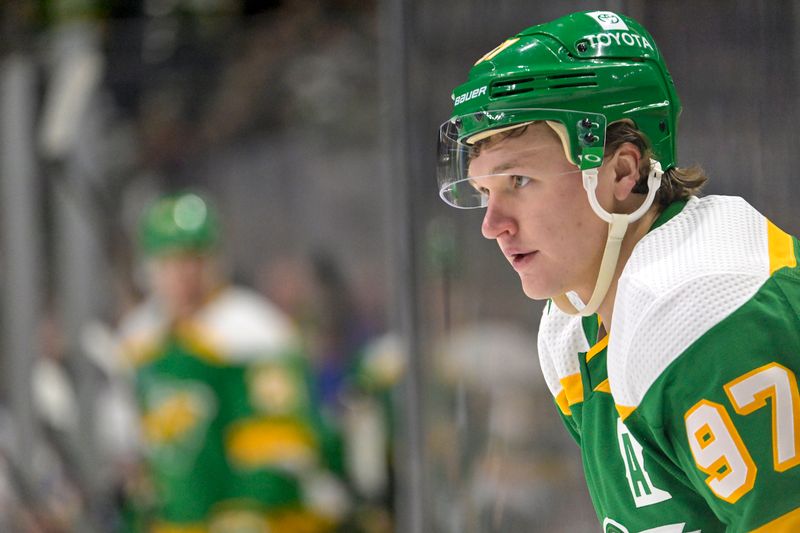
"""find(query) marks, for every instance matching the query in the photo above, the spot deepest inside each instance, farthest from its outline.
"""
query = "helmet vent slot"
(572, 76)
(515, 81)
(572, 80)
(512, 87)
(518, 86)
(573, 85)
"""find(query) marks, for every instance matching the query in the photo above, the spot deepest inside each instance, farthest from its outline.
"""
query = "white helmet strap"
(618, 225)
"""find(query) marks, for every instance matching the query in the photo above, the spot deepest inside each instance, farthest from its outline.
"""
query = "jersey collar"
(668, 213)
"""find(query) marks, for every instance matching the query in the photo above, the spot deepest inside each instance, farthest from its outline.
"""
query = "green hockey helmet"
(183, 222)
(578, 74)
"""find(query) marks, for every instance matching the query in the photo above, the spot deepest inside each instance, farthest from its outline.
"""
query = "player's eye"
(520, 181)
(482, 191)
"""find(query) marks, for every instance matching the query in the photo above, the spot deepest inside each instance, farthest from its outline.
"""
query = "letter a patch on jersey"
(642, 488)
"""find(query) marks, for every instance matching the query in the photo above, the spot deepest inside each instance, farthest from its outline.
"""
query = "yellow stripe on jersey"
(573, 388)
(200, 340)
(597, 348)
(783, 524)
(141, 350)
(624, 411)
(298, 521)
(561, 401)
(255, 443)
(604, 386)
(166, 527)
(781, 248)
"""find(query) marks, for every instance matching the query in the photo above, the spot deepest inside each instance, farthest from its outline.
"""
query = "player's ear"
(626, 170)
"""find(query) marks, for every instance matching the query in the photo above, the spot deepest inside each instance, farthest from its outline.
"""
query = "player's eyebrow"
(502, 167)
(519, 159)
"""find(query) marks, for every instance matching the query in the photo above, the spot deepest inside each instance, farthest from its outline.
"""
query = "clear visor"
(474, 192)
(465, 185)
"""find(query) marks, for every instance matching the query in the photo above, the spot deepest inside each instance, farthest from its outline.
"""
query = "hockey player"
(671, 339)
(231, 439)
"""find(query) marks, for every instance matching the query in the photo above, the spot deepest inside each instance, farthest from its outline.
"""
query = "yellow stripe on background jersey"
(200, 341)
(164, 527)
(142, 349)
(263, 442)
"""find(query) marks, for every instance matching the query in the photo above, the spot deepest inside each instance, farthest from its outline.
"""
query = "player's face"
(182, 281)
(538, 213)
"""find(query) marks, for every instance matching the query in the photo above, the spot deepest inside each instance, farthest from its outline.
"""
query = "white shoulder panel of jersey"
(560, 339)
(682, 279)
(245, 325)
(145, 322)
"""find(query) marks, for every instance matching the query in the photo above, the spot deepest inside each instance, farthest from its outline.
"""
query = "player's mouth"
(521, 260)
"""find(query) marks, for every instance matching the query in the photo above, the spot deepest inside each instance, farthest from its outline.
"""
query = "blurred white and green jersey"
(688, 412)
(230, 431)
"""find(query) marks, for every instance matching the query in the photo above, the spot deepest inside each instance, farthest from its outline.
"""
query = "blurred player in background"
(672, 319)
(355, 375)
(230, 434)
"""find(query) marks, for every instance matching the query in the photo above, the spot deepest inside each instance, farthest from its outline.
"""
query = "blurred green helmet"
(578, 74)
(183, 222)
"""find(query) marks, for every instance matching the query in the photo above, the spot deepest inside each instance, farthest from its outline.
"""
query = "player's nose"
(497, 221)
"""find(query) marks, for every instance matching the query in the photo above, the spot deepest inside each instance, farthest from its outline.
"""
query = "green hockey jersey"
(688, 412)
(228, 426)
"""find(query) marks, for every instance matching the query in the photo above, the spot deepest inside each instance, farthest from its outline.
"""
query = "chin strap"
(617, 226)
